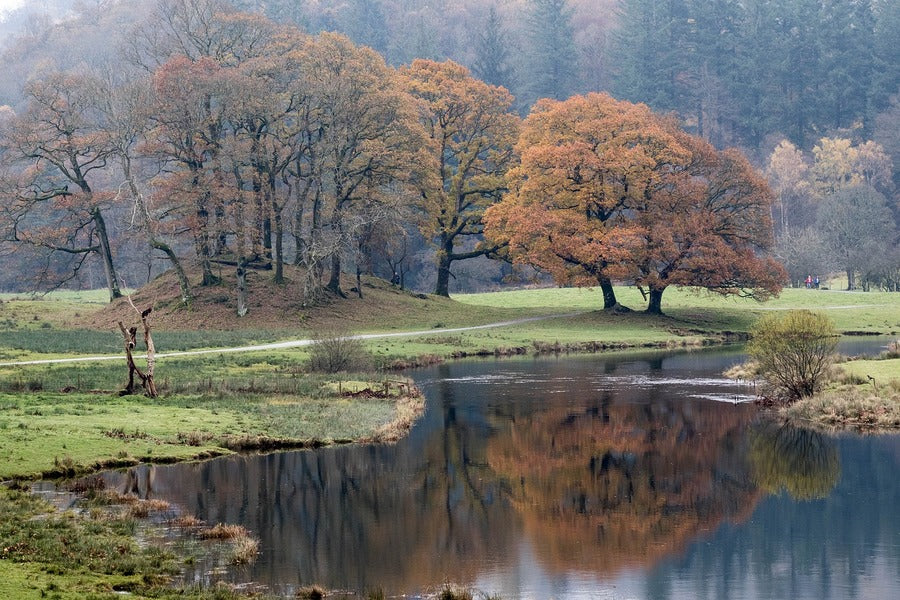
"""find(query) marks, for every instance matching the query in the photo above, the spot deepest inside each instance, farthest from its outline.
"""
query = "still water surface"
(640, 475)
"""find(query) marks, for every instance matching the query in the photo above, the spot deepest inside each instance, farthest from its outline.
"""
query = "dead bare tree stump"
(130, 337)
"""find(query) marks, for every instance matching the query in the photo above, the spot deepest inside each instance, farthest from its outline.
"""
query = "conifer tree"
(553, 58)
(492, 52)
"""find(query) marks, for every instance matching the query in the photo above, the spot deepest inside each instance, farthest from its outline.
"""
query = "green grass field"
(47, 431)
(37, 329)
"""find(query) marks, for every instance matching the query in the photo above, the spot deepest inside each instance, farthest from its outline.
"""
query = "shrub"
(335, 352)
(794, 351)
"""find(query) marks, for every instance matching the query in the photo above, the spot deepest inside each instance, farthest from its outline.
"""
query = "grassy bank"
(865, 396)
(68, 418)
(47, 432)
(56, 418)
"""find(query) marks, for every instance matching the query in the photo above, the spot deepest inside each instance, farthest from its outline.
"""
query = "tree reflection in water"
(614, 485)
(802, 462)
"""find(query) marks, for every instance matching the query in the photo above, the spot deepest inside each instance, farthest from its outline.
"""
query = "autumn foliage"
(249, 145)
(607, 189)
(472, 131)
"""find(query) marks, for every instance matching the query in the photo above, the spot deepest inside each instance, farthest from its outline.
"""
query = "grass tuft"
(244, 551)
(223, 531)
(311, 592)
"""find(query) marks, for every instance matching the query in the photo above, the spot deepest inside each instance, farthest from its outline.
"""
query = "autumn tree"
(188, 118)
(788, 175)
(709, 226)
(472, 133)
(125, 104)
(834, 213)
(584, 161)
(606, 189)
(58, 151)
(857, 226)
(365, 138)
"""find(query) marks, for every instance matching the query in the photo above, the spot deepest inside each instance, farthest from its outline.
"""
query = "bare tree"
(56, 148)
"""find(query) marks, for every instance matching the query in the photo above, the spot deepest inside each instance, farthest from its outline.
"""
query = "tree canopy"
(607, 189)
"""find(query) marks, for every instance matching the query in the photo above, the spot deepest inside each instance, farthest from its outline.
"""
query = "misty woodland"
(734, 146)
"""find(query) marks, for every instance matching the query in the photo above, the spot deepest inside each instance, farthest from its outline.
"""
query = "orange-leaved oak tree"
(709, 227)
(608, 190)
(584, 163)
(473, 132)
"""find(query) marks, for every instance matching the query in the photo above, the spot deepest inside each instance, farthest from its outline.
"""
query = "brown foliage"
(606, 189)
(625, 486)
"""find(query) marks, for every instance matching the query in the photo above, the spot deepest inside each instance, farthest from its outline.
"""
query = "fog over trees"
(370, 136)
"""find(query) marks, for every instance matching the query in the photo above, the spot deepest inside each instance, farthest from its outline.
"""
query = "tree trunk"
(655, 305)
(442, 288)
(241, 288)
(183, 283)
(155, 243)
(149, 383)
(279, 248)
(849, 279)
(358, 282)
(609, 294)
(334, 282)
(112, 280)
(202, 247)
(130, 336)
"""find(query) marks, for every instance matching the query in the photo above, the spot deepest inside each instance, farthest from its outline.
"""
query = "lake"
(640, 475)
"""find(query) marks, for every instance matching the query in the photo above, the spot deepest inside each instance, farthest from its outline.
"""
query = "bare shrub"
(794, 351)
(337, 352)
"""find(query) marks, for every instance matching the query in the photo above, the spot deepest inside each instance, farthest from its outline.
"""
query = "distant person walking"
(816, 282)
(808, 281)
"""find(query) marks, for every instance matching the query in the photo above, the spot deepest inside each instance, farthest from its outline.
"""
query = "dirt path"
(290, 343)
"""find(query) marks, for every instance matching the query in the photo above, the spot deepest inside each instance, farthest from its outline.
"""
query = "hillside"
(274, 307)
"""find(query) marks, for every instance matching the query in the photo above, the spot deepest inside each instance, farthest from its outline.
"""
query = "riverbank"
(89, 553)
(52, 433)
(93, 551)
(66, 419)
(865, 396)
